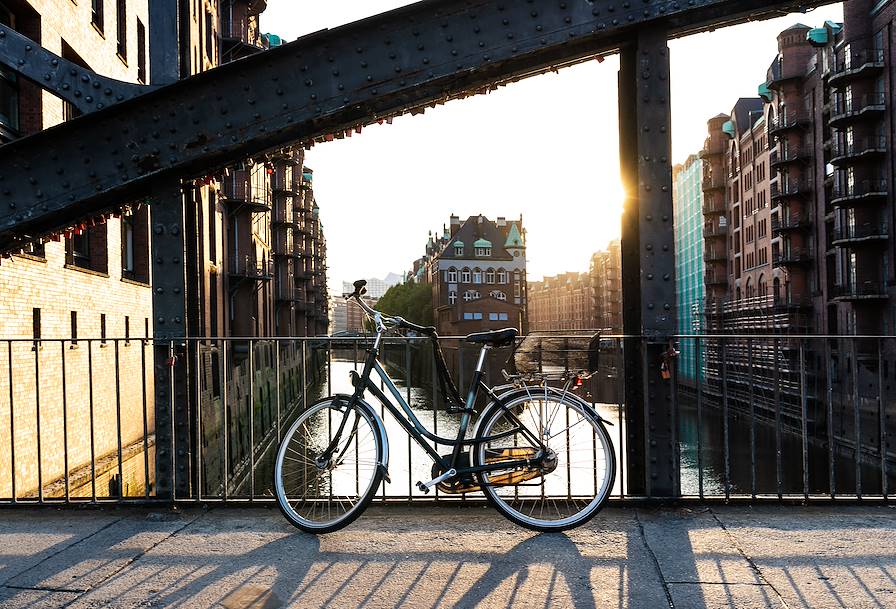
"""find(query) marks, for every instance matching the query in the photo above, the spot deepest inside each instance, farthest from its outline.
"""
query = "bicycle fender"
(512, 393)
(380, 427)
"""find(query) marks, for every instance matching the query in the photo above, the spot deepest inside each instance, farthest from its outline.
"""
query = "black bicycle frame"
(412, 425)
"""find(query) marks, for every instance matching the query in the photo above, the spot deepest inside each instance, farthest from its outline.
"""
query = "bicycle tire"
(496, 494)
(364, 413)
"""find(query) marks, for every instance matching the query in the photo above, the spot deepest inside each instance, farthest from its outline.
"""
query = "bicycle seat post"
(481, 361)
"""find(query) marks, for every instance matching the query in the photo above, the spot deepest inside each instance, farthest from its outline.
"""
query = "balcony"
(283, 215)
(246, 268)
(291, 294)
(870, 106)
(239, 196)
(791, 256)
(857, 65)
(790, 222)
(788, 155)
(780, 73)
(715, 279)
(714, 205)
(715, 230)
(861, 149)
(786, 122)
(713, 149)
(865, 233)
(859, 192)
(783, 189)
(715, 254)
(865, 290)
(713, 183)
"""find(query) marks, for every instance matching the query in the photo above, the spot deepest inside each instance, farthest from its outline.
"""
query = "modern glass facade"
(689, 266)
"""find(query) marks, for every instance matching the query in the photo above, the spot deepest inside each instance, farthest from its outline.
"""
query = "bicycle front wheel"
(322, 497)
(569, 484)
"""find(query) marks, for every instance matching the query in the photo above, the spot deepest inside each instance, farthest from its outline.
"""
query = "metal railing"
(759, 416)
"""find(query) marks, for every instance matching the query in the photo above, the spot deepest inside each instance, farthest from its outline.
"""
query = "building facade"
(562, 302)
(606, 284)
(687, 198)
(478, 272)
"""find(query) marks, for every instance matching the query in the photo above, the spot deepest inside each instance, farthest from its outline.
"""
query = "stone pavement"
(428, 557)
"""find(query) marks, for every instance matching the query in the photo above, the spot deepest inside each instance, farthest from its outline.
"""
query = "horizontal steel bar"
(331, 81)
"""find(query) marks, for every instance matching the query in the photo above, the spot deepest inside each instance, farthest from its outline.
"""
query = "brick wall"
(62, 405)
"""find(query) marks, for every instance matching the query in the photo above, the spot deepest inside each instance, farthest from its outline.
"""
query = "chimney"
(455, 224)
(501, 222)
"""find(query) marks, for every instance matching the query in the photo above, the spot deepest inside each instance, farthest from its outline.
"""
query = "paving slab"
(12, 598)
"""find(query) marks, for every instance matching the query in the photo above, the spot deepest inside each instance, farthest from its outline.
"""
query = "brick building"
(255, 249)
(478, 272)
(606, 283)
(562, 302)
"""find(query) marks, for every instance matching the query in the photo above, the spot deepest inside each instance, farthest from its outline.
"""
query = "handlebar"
(384, 322)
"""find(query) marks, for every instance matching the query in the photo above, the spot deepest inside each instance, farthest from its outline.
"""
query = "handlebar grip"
(412, 326)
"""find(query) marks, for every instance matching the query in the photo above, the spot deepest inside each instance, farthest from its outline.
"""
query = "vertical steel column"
(648, 263)
(170, 324)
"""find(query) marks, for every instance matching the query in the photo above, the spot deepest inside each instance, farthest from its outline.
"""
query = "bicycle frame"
(415, 429)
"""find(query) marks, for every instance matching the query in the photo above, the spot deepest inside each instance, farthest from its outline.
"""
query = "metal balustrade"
(760, 416)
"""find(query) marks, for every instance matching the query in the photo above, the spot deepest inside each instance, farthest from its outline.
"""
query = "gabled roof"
(514, 238)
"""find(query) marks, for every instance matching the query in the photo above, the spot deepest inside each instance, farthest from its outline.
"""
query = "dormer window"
(482, 248)
(458, 248)
(483, 251)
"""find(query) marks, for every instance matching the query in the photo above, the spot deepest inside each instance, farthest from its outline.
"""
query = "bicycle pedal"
(423, 487)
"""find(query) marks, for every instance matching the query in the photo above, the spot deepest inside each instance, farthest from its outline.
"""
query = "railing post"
(169, 324)
(648, 263)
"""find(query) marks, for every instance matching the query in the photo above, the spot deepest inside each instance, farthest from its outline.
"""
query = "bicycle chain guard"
(467, 483)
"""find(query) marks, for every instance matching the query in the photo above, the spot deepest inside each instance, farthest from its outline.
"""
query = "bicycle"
(541, 455)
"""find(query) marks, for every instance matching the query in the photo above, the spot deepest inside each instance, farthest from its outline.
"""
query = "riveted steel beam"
(84, 89)
(174, 453)
(648, 265)
(422, 54)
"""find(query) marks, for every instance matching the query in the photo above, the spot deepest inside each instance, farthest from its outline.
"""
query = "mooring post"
(648, 264)
(170, 328)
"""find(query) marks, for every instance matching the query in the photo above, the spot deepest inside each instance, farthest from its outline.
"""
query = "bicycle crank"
(468, 484)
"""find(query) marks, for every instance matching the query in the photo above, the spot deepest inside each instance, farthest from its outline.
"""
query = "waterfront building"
(562, 302)
(687, 198)
(478, 272)
(606, 283)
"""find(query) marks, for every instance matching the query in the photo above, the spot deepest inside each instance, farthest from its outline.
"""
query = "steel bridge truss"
(135, 143)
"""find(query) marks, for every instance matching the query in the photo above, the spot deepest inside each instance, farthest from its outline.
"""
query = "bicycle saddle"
(495, 338)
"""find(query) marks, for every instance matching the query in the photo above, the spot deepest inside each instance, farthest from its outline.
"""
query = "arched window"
(465, 276)
(776, 288)
(763, 286)
(749, 287)
(477, 275)
(502, 276)
(471, 295)
(498, 295)
(490, 276)
(452, 275)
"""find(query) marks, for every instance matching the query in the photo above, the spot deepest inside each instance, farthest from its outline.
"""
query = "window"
(458, 250)
(35, 323)
(135, 245)
(121, 27)
(452, 297)
(471, 295)
(502, 276)
(96, 14)
(477, 315)
(498, 295)
(493, 317)
(477, 276)
(452, 276)
(209, 48)
(502, 316)
(127, 243)
(483, 251)
(88, 249)
(141, 51)
(490, 276)
(465, 276)
(468, 316)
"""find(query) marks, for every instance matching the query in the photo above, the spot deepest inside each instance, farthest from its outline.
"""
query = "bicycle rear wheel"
(325, 497)
(573, 480)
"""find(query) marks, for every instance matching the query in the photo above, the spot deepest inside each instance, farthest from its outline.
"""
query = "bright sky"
(545, 148)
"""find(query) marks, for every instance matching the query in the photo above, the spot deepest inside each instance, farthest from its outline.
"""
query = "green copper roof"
(817, 36)
(482, 243)
(514, 239)
(458, 243)
(728, 128)
(765, 92)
